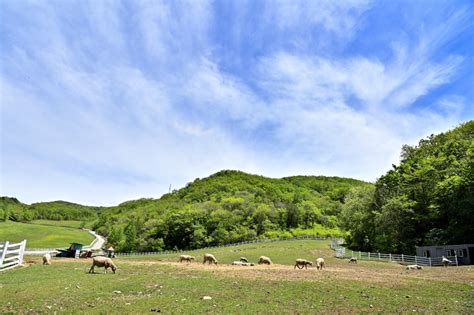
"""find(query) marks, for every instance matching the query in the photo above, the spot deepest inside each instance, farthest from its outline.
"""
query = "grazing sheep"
(101, 261)
(241, 263)
(302, 263)
(264, 260)
(186, 258)
(320, 264)
(446, 261)
(210, 259)
(413, 267)
(243, 259)
(353, 260)
(47, 259)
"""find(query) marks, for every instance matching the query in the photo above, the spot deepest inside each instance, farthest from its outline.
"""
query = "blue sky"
(106, 101)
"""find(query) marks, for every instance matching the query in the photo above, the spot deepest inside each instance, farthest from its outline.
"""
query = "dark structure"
(73, 251)
(464, 252)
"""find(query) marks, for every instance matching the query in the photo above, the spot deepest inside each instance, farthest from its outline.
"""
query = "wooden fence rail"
(11, 255)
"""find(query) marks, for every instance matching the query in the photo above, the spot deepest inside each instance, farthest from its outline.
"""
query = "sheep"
(101, 261)
(264, 260)
(241, 263)
(413, 267)
(187, 258)
(243, 259)
(353, 260)
(302, 263)
(446, 261)
(210, 259)
(320, 264)
(47, 259)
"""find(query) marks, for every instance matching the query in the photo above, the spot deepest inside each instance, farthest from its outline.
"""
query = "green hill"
(226, 207)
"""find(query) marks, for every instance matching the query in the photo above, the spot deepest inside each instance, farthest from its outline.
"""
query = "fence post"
(403, 259)
(390, 257)
(416, 260)
(456, 258)
(352, 255)
(360, 256)
(430, 261)
(379, 255)
(368, 255)
(4, 252)
(22, 252)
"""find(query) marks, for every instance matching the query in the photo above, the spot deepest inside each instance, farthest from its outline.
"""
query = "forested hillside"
(427, 199)
(229, 206)
(14, 210)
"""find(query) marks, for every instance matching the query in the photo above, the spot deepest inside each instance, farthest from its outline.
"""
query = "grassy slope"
(150, 285)
(40, 236)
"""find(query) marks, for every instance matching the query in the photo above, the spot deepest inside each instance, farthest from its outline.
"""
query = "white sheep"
(302, 263)
(320, 264)
(47, 259)
(446, 261)
(413, 267)
(264, 260)
(187, 258)
(210, 259)
(101, 261)
(353, 260)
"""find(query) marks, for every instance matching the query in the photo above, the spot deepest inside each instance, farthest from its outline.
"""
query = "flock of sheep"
(102, 261)
(263, 260)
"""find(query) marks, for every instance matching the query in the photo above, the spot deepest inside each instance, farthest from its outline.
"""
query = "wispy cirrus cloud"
(104, 102)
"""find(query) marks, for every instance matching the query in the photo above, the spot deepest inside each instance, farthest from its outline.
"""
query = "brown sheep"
(101, 261)
(264, 260)
(186, 258)
(302, 263)
(413, 267)
(210, 259)
(47, 259)
(320, 264)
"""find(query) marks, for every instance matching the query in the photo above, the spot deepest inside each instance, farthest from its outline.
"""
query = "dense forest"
(427, 199)
(227, 207)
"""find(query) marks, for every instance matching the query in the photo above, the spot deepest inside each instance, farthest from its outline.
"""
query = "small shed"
(464, 252)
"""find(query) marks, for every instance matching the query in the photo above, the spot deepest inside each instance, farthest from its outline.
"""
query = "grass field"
(65, 223)
(42, 236)
(160, 284)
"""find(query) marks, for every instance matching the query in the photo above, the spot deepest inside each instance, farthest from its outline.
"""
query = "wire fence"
(306, 237)
(342, 252)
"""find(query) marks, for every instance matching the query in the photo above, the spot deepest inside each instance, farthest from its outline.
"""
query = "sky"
(108, 101)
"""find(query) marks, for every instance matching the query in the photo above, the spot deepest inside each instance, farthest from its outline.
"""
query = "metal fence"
(342, 252)
(11, 255)
(306, 237)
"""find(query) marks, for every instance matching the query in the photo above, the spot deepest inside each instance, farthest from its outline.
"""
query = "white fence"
(306, 237)
(342, 252)
(11, 255)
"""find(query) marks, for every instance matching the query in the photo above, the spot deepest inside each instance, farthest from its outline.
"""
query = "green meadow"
(42, 236)
(152, 284)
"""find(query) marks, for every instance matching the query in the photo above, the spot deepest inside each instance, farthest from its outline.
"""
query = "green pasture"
(42, 236)
(64, 223)
(148, 285)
